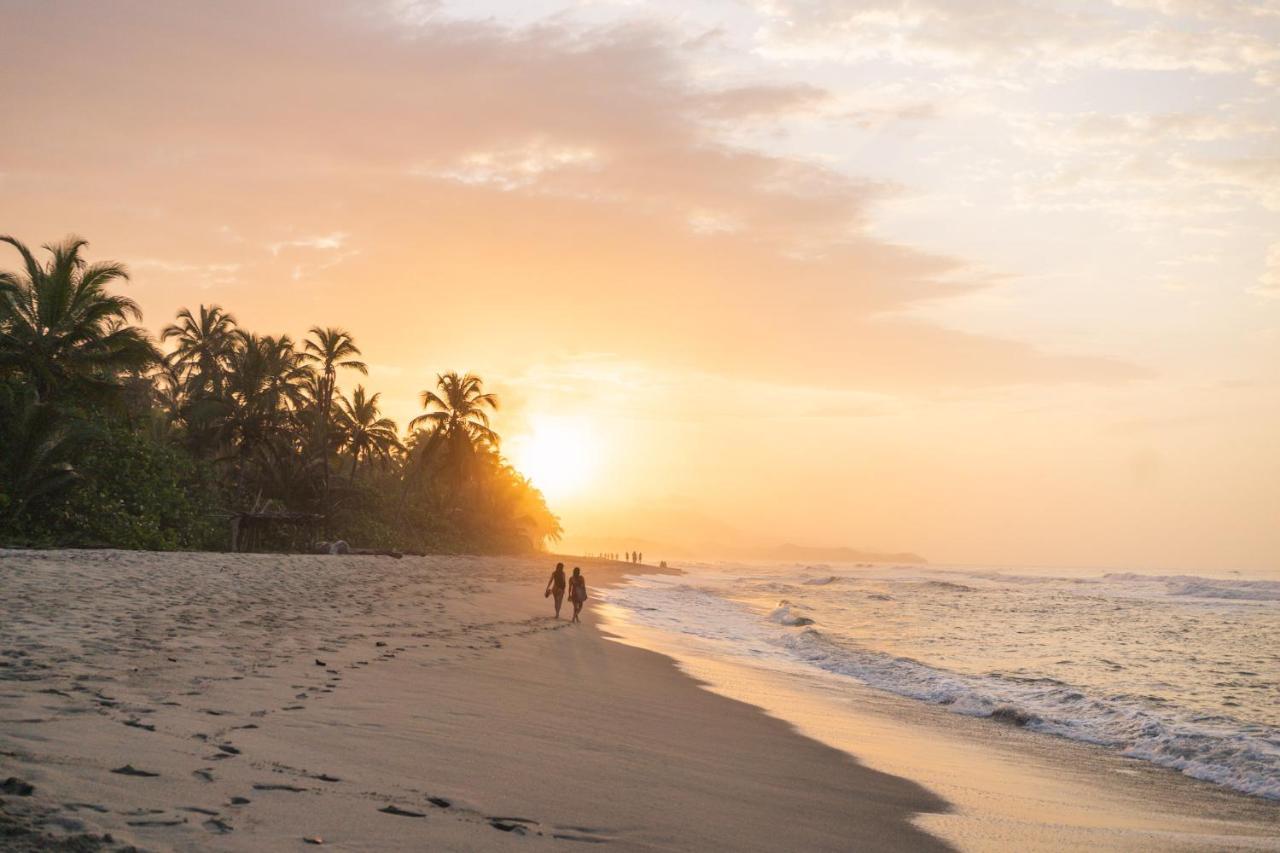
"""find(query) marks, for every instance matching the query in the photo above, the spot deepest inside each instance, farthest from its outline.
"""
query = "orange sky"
(994, 285)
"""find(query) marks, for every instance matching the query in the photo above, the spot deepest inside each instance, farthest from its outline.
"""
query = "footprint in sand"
(130, 770)
(396, 810)
(517, 825)
(17, 787)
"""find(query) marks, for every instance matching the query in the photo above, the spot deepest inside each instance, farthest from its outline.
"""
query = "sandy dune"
(261, 702)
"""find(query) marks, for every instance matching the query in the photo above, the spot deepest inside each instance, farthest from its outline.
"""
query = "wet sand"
(261, 702)
(1008, 788)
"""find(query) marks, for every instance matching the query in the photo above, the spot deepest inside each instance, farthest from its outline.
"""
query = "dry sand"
(251, 702)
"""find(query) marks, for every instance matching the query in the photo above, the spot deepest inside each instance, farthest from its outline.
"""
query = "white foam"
(1222, 749)
(785, 614)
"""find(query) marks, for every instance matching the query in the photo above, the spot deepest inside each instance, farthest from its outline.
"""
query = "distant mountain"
(680, 531)
(655, 550)
(839, 554)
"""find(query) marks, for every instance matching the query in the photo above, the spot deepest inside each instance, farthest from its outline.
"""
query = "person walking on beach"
(555, 586)
(577, 592)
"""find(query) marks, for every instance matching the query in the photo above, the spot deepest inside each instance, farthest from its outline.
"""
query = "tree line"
(111, 437)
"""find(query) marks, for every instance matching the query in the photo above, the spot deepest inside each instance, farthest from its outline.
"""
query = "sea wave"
(785, 614)
(1193, 586)
(849, 628)
(1218, 749)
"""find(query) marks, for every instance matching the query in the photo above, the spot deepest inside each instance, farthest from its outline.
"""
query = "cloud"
(512, 167)
(1256, 177)
(1144, 129)
(510, 189)
(1269, 281)
(203, 276)
(323, 242)
(762, 101)
(998, 36)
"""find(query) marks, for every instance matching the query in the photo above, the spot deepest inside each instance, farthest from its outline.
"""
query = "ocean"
(1182, 670)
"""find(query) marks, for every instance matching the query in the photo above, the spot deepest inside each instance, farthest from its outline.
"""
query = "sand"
(262, 702)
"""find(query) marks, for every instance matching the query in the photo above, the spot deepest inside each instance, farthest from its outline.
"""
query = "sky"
(996, 282)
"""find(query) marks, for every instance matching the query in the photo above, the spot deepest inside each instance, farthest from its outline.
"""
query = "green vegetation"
(108, 441)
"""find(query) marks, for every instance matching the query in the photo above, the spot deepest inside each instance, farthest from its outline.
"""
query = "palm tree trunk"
(327, 402)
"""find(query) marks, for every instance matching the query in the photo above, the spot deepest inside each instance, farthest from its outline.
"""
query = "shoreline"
(388, 704)
(1009, 788)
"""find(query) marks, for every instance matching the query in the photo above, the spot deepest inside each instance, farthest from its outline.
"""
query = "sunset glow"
(993, 281)
(754, 426)
(561, 455)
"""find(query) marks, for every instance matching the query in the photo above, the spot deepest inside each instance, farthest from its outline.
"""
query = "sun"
(560, 454)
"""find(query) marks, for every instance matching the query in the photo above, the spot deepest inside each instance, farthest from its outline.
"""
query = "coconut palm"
(204, 347)
(365, 433)
(62, 331)
(264, 385)
(460, 409)
(329, 349)
(36, 462)
(170, 391)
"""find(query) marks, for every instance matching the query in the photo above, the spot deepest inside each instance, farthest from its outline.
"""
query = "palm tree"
(204, 348)
(264, 386)
(36, 462)
(62, 330)
(330, 349)
(364, 431)
(459, 410)
(170, 390)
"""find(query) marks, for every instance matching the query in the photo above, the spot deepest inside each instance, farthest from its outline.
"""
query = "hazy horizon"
(999, 285)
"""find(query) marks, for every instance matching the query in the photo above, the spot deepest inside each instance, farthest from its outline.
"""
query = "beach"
(193, 701)
(1052, 709)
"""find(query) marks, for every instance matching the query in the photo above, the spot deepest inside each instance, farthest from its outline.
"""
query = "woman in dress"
(577, 592)
(555, 586)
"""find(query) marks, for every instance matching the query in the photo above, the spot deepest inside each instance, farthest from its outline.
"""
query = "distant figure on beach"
(577, 592)
(555, 586)
(640, 558)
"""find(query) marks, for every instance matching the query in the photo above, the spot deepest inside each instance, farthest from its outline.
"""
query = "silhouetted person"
(555, 586)
(577, 592)
(640, 558)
